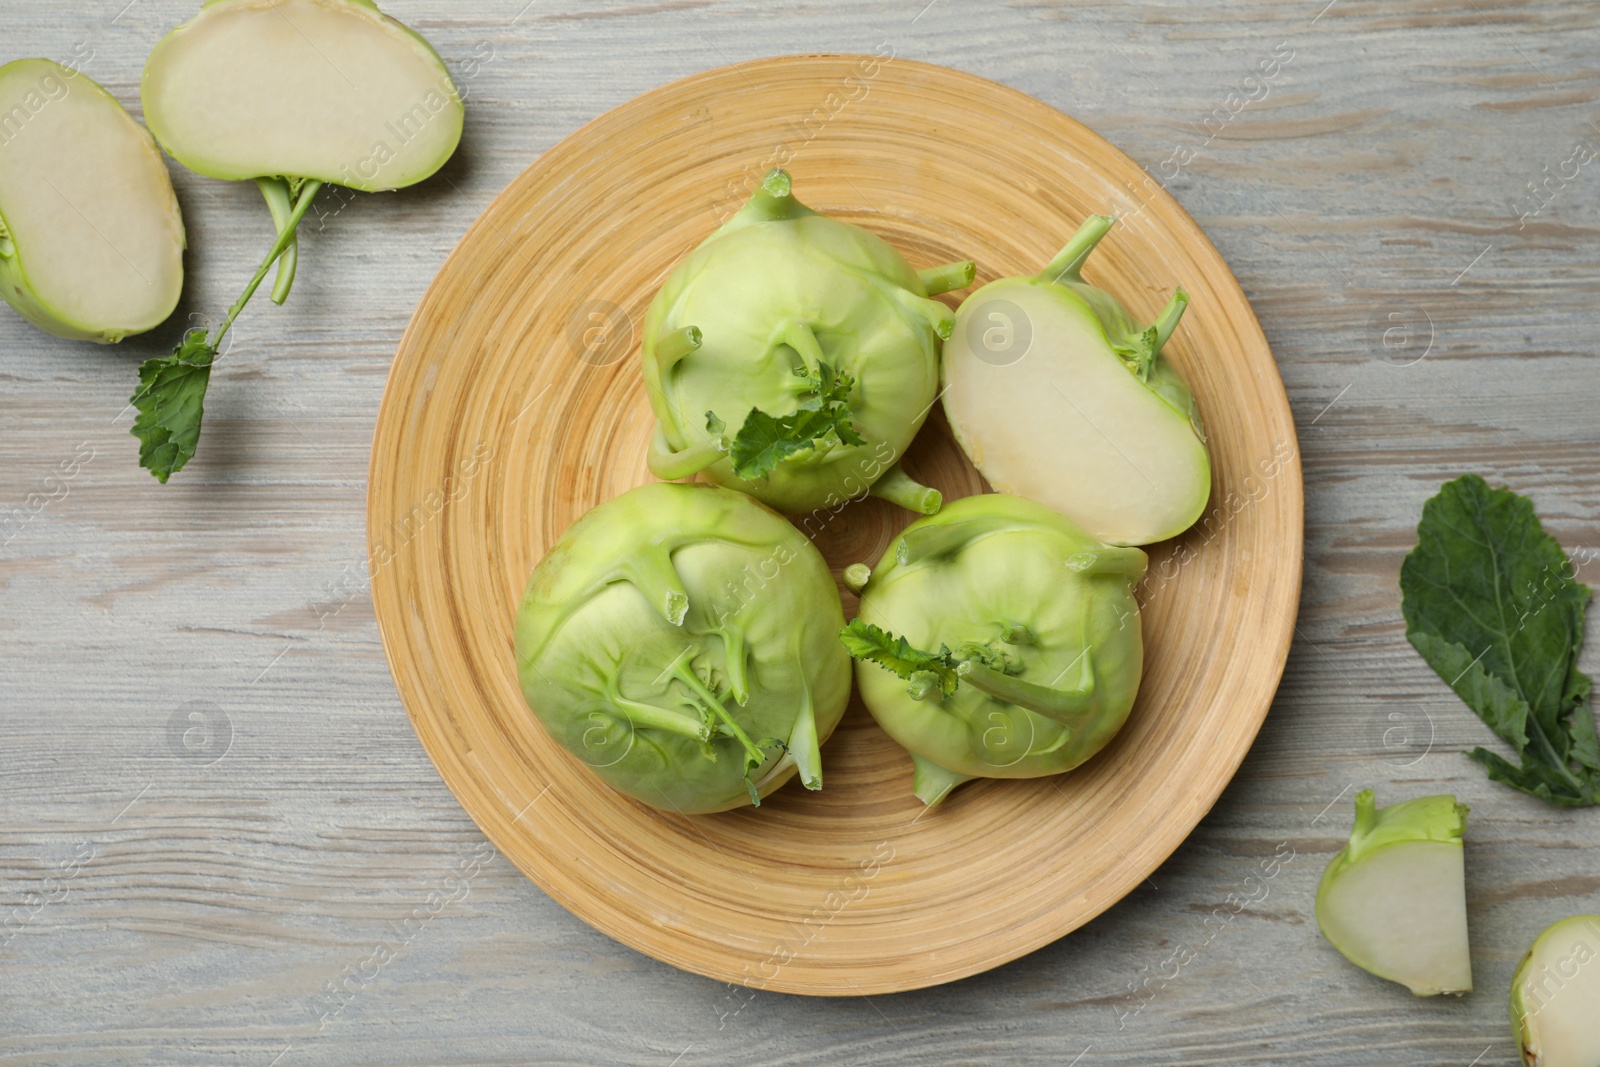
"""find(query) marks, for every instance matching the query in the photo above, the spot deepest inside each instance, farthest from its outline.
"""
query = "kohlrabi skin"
(681, 641)
(793, 357)
(1394, 900)
(91, 239)
(997, 640)
(1555, 996)
(1057, 395)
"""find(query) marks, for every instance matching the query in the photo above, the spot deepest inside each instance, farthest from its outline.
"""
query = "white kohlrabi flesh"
(1555, 996)
(681, 641)
(1394, 900)
(326, 89)
(91, 240)
(1057, 395)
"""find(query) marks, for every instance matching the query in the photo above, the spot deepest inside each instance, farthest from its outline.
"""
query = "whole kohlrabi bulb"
(680, 640)
(1056, 394)
(793, 357)
(1008, 640)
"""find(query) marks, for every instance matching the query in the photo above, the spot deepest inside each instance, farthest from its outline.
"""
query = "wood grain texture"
(223, 903)
(515, 406)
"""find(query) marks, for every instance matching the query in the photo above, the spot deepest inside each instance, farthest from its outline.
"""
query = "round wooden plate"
(515, 405)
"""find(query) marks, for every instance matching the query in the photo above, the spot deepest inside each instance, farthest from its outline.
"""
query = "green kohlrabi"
(1394, 901)
(1555, 996)
(1056, 394)
(293, 94)
(997, 640)
(91, 241)
(680, 640)
(791, 354)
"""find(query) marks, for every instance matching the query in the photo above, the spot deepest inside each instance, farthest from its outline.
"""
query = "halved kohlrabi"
(1394, 900)
(1057, 395)
(1555, 996)
(326, 89)
(91, 240)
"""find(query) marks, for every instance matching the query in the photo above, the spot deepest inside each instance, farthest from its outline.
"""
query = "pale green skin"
(1561, 937)
(1439, 819)
(1059, 290)
(776, 264)
(15, 285)
(692, 575)
(981, 564)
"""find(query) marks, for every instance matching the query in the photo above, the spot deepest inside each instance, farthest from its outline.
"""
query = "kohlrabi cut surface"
(793, 356)
(681, 641)
(1394, 900)
(91, 240)
(326, 89)
(996, 639)
(1555, 996)
(1057, 395)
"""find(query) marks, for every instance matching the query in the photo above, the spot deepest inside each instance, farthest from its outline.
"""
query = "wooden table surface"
(220, 842)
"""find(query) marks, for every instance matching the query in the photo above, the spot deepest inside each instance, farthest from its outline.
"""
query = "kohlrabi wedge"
(294, 94)
(793, 357)
(91, 240)
(680, 640)
(997, 640)
(1056, 394)
(1555, 996)
(1394, 900)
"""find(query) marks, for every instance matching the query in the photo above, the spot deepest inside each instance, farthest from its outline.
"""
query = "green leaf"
(767, 440)
(924, 670)
(171, 402)
(1491, 603)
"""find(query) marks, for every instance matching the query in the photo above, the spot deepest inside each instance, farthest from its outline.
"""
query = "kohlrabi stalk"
(996, 639)
(1394, 900)
(249, 89)
(1047, 366)
(793, 357)
(91, 239)
(679, 639)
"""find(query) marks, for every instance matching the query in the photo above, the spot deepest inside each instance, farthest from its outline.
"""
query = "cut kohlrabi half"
(1057, 395)
(326, 89)
(1555, 996)
(1394, 900)
(91, 240)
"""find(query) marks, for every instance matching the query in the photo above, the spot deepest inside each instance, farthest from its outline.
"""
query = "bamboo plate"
(515, 404)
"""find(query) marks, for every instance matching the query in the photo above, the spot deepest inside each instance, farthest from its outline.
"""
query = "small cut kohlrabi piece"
(1555, 996)
(793, 357)
(325, 89)
(997, 640)
(91, 240)
(1394, 900)
(680, 640)
(1057, 395)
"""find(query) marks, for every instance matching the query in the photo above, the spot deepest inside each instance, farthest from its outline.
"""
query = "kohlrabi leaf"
(171, 403)
(1491, 603)
(766, 440)
(923, 670)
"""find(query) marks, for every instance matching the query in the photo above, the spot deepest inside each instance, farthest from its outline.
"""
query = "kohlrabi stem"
(677, 344)
(686, 675)
(276, 193)
(1167, 321)
(672, 466)
(650, 570)
(1069, 261)
(1066, 706)
(856, 577)
(735, 654)
(799, 336)
(774, 200)
(803, 746)
(308, 192)
(948, 277)
(1107, 559)
(931, 782)
(641, 714)
(898, 487)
